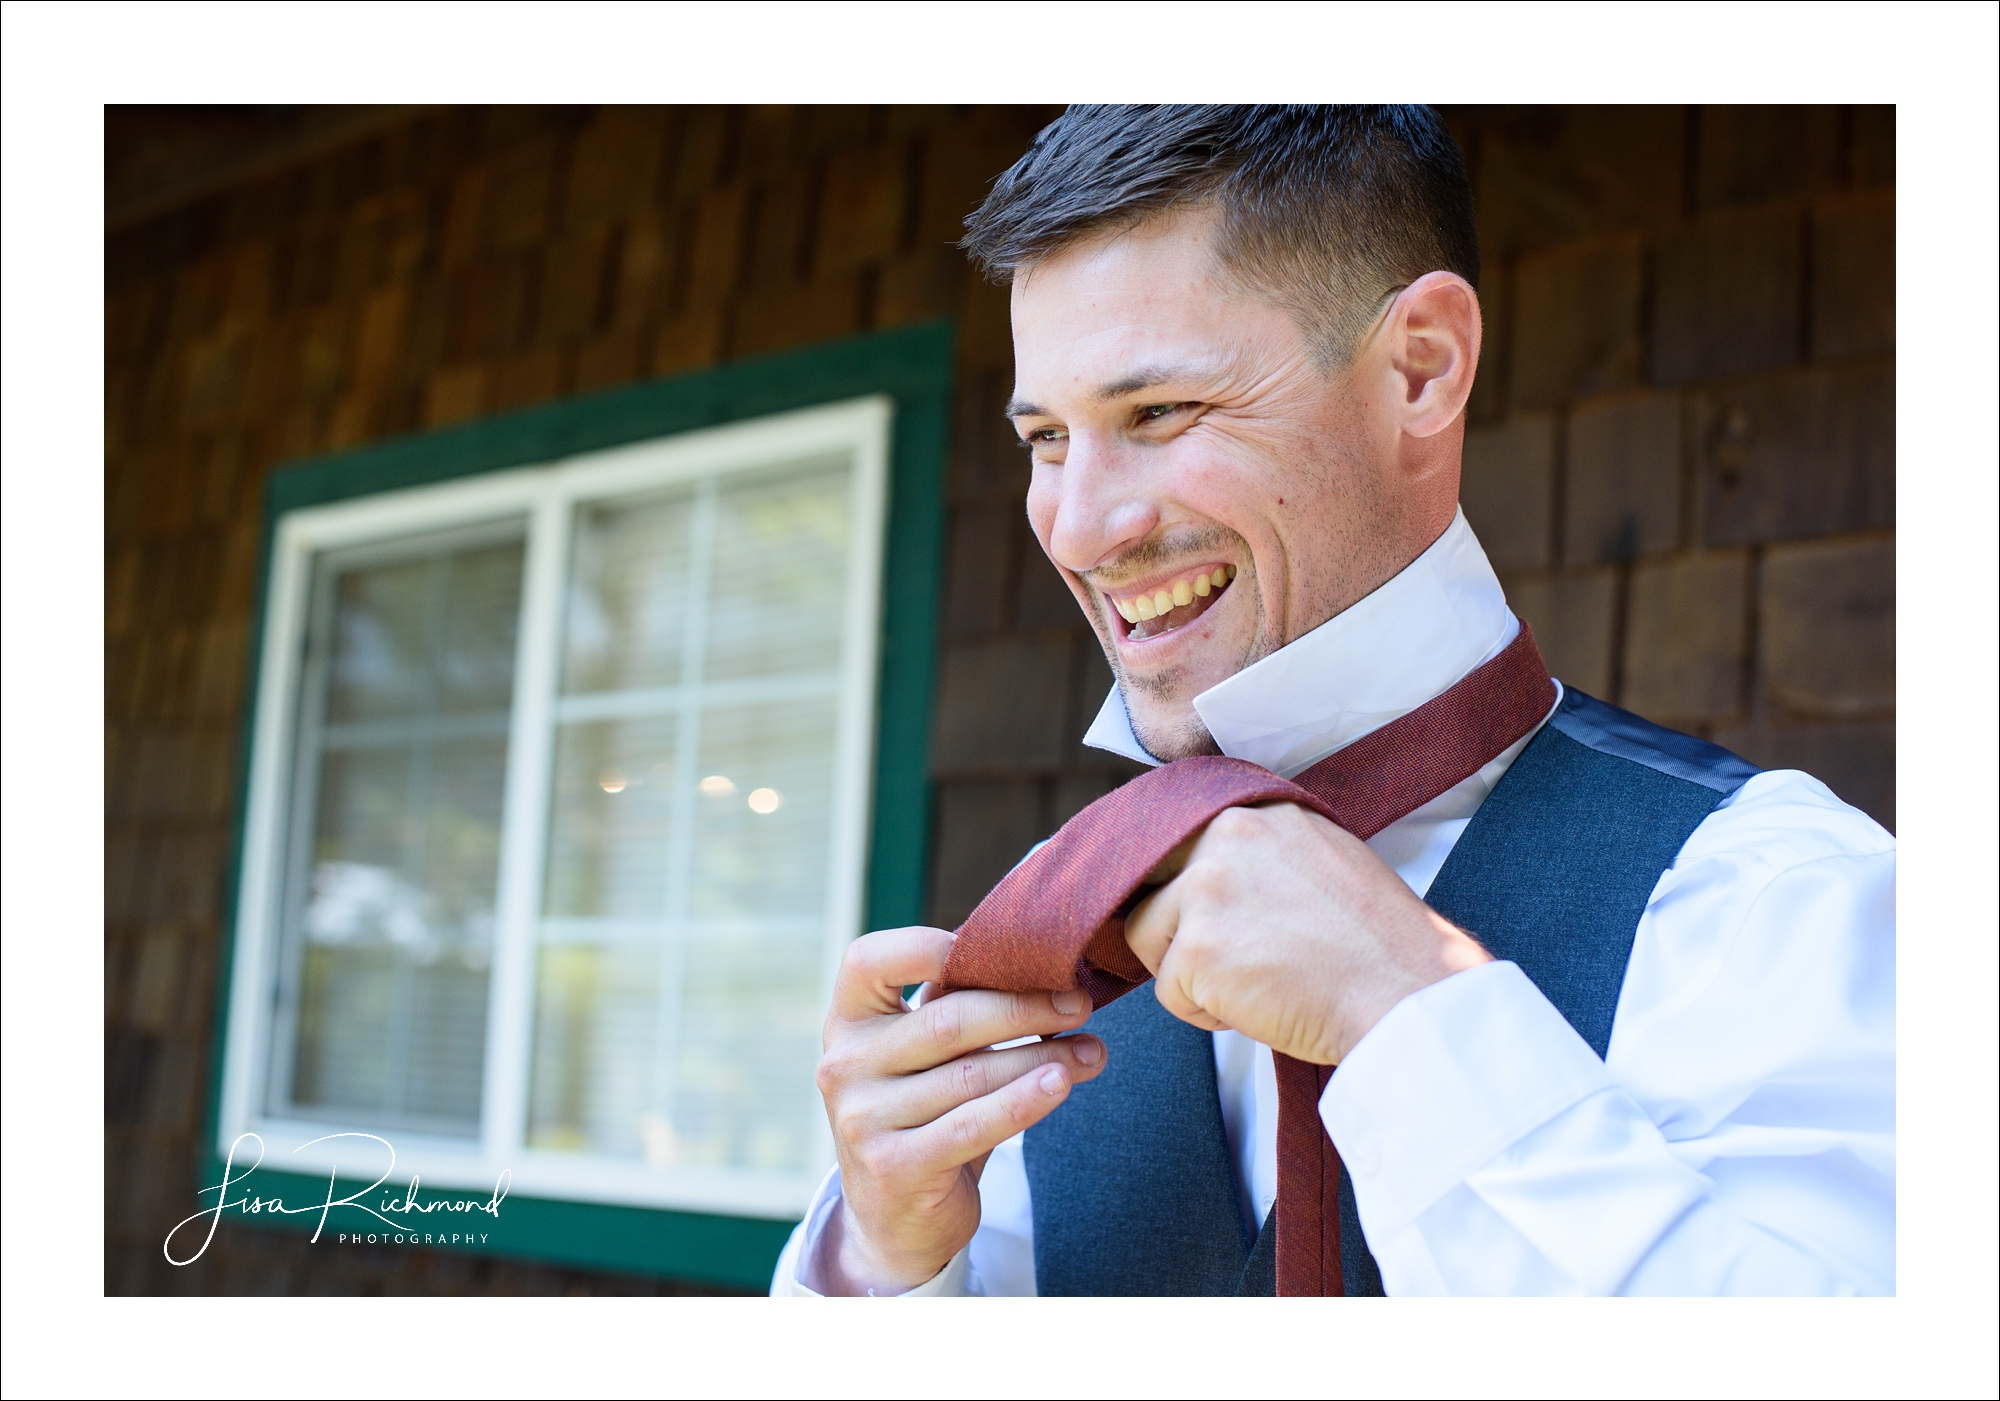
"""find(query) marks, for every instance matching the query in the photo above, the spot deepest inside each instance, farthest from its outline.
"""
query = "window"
(560, 801)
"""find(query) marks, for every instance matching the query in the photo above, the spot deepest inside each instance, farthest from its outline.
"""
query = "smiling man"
(1611, 1010)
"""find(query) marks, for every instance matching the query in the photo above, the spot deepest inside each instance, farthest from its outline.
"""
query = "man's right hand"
(918, 1101)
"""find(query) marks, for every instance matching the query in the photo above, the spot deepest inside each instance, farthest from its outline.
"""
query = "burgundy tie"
(1058, 920)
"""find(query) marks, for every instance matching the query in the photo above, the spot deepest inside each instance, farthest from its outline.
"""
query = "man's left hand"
(1284, 927)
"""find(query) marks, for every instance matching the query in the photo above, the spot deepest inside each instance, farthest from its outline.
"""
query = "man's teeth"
(1179, 594)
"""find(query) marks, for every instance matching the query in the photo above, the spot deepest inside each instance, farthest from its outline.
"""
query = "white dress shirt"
(1737, 1138)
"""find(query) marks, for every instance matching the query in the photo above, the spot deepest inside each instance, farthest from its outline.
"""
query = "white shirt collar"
(1443, 615)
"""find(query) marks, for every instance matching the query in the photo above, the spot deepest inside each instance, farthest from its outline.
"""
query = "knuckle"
(965, 1131)
(851, 1129)
(968, 1078)
(835, 1069)
(1234, 823)
(856, 958)
(1017, 1013)
(875, 1156)
(944, 1021)
(1206, 879)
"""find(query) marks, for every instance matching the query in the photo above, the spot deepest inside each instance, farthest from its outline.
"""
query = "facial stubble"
(1186, 736)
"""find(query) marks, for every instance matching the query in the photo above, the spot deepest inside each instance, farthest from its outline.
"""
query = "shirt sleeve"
(1737, 1139)
(999, 1260)
(788, 1279)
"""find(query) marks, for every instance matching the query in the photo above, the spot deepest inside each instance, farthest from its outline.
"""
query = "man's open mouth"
(1162, 608)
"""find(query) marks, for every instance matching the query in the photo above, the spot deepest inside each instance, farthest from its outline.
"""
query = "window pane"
(686, 893)
(402, 769)
(745, 1093)
(595, 1014)
(612, 800)
(780, 573)
(764, 814)
(380, 619)
(397, 654)
(629, 582)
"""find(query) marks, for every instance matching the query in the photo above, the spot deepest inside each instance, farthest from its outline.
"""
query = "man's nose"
(1104, 506)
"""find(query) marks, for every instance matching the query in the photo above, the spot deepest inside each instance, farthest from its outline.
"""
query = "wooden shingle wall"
(1682, 454)
(1681, 461)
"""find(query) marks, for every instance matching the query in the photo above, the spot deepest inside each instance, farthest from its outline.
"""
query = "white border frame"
(546, 495)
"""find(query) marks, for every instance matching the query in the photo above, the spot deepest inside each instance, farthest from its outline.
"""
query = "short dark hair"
(1326, 210)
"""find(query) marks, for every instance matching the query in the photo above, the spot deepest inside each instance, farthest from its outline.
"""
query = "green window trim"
(912, 366)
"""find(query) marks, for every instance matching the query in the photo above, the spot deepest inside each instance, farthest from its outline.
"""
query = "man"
(1244, 342)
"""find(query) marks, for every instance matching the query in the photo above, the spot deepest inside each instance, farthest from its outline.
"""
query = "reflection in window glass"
(612, 812)
(393, 875)
(776, 595)
(685, 892)
(628, 593)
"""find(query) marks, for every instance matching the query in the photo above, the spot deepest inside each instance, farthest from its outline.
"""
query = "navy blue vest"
(1132, 1184)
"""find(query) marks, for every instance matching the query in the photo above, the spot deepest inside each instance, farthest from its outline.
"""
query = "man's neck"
(1411, 639)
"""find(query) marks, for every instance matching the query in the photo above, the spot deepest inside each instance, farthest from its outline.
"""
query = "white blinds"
(397, 794)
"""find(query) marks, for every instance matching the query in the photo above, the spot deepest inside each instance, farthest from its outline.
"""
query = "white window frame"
(546, 495)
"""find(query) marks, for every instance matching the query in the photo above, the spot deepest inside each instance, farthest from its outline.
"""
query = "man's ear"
(1431, 334)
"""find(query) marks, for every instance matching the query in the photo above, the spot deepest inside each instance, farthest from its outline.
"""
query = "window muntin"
(658, 952)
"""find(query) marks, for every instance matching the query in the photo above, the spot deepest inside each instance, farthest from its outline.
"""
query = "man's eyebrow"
(1143, 378)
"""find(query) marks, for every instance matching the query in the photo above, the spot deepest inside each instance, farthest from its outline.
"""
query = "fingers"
(920, 1099)
(1149, 932)
(877, 967)
(948, 1027)
(1149, 929)
(1175, 999)
(983, 1124)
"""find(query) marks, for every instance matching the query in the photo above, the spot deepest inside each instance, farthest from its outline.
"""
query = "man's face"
(1207, 490)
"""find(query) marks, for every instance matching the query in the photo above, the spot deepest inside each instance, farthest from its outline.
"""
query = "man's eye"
(1159, 410)
(1044, 435)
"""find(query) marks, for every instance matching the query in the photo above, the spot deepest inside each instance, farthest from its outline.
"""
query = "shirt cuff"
(788, 1281)
(1446, 1081)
